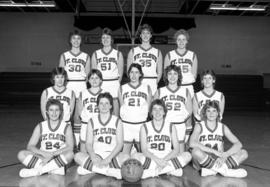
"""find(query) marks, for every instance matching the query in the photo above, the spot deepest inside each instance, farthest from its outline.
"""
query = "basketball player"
(135, 98)
(88, 103)
(149, 57)
(77, 66)
(208, 93)
(177, 99)
(161, 153)
(104, 141)
(207, 143)
(60, 92)
(110, 62)
(56, 144)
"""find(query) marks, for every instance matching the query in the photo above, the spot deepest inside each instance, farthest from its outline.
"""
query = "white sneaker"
(59, 171)
(177, 172)
(82, 171)
(149, 174)
(236, 173)
(29, 172)
(207, 172)
(113, 172)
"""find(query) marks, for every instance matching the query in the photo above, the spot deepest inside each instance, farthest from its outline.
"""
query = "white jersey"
(89, 103)
(147, 58)
(202, 98)
(53, 139)
(185, 62)
(212, 138)
(107, 63)
(135, 106)
(175, 102)
(64, 97)
(159, 142)
(75, 65)
(104, 135)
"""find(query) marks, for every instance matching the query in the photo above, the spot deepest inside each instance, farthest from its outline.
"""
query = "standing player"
(103, 143)
(161, 153)
(177, 100)
(56, 144)
(77, 66)
(149, 57)
(88, 103)
(60, 92)
(110, 62)
(207, 141)
(208, 93)
(135, 98)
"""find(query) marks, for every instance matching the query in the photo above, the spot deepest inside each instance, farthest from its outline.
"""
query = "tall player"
(161, 153)
(177, 100)
(207, 142)
(77, 66)
(60, 92)
(110, 62)
(88, 103)
(208, 93)
(103, 143)
(56, 144)
(149, 57)
(135, 98)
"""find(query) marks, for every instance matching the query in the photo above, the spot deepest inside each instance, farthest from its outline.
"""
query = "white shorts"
(181, 131)
(76, 86)
(190, 89)
(131, 132)
(111, 86)
(152, 82)
(83, 132)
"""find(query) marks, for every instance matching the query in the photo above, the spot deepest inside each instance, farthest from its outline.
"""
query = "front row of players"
(162, 152)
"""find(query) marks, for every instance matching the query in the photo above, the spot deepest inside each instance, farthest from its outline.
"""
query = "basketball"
(132, 170)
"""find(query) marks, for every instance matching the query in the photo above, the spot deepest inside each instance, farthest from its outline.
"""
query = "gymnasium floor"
(252, 128)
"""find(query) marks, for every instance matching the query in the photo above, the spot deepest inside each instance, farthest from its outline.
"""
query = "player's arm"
(129, 58)
(196, 108)
(222, 106)
(43, 101)
(80, 104)
(166, 61)
(72, 103)
(94, 61)
(120, 99)
(156, 96)
(149, 96)
(194, 66)
(176, 148)
(87, 65)
(120, 65)
(62, 61)
(188, 103)
(159, 66)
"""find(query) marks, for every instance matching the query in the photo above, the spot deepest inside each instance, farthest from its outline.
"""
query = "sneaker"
(59, 171)
(207, 172)
(82, 171)
(236, 173)
(113, 172)
(148, 174)
(29, 172)
(177, 172)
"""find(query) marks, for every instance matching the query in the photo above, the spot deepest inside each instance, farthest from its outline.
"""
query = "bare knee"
(21, 155)
(244, 154)
(197, 153)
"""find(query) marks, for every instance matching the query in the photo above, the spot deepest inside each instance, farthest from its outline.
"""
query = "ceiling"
(153, 7)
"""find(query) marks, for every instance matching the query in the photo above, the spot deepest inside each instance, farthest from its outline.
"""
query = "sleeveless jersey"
(64, 97)
(89, 102)
(212, 138)
(75, 65)
(202, 98)
(135, 105)
(107, 63)
(147, 58)
(159, 141)
(104, 134)
(175, 102)
(185, 62)
(52, 139)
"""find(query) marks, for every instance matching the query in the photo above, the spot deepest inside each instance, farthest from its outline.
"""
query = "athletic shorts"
(190, 89)
(111, 86)
(76, 86)
(181, 131)
(131, 132)
(152, 82)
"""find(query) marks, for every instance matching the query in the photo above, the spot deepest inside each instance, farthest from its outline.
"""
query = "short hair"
(181, 32)
(145, 27)
(176, 69)
(159, 102)
(208, 72)
(56, 102)
(59, 71)
(207, 105)
(139, 67)
(95, 71)
(108, 96)
(73, 33)
(109, 32)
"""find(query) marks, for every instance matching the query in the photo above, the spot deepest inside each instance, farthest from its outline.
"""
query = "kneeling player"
(56, 144)
(104, 141)
(161, 153)
(207, 141)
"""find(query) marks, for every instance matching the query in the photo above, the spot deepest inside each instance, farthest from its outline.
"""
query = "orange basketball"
(132, 170)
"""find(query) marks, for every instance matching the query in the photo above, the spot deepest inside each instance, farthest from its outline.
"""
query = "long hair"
(176, 69)
(59, 71)
(137, 66)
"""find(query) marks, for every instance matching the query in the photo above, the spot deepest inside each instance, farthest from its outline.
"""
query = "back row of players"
(158, 136)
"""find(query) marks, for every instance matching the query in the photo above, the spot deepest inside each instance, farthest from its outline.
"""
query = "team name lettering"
(211, 137)
(203, 102)
(53, 136)
(61, 98)
(145, 55)
(75, 60)
(135, 94)
(173, 98)
(105, 131)
(89, 100)
(158, 137)
(181, 61)
(106, 59)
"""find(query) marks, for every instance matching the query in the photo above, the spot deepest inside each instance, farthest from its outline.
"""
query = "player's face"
(172, 77)
(95, 81)
(59, 80)
(158, 112)
(208, 81)
(54, 112)
(211, 114)
(75, 41)
(104, 105)
(181, 41)
(134, 75)
(146, 35)
(106, 40)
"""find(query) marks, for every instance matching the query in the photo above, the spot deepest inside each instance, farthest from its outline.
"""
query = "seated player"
(56, 144)
(208, 93)
(88, 103)
(207, 143)
(161, 153)
(104, 141)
